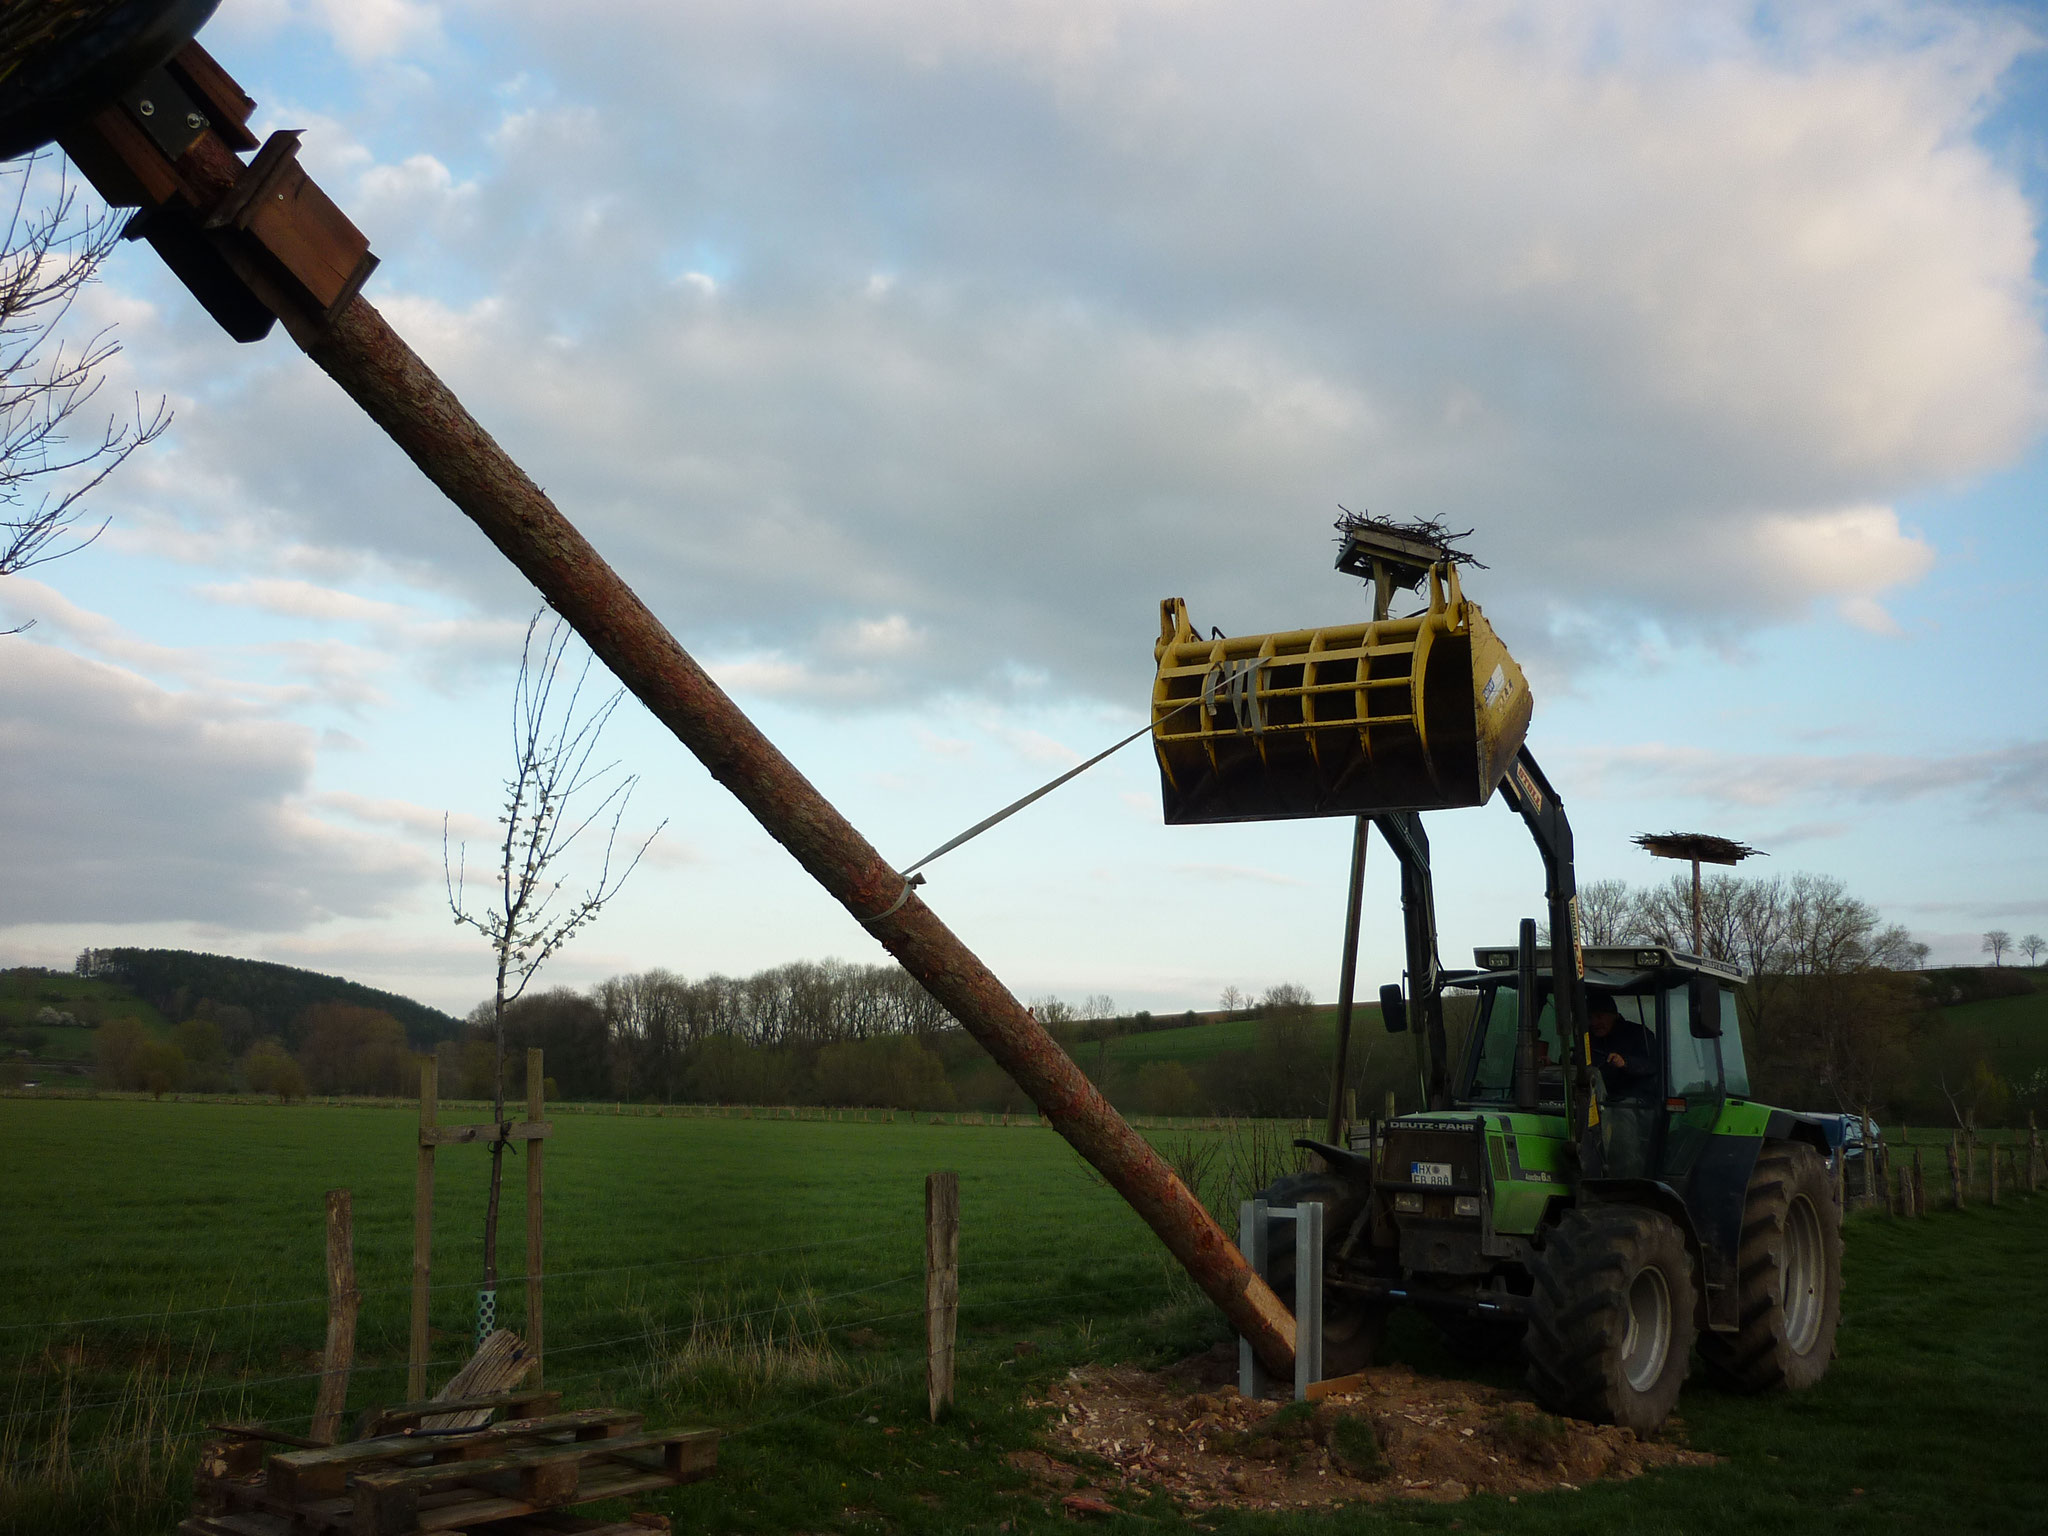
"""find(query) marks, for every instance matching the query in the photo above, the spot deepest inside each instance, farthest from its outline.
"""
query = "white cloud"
(128, 803)
(1163, 284)
(2011, 779)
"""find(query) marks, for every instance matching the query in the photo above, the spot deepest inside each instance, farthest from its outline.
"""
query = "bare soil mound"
(1395, 1436)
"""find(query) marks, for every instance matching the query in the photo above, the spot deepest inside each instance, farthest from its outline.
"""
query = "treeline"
(253, 998)
(342, 1049)
(1838, 1013)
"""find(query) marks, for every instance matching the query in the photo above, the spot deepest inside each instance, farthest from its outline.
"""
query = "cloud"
(1676, 316)
(124, 802)
(2007, 779)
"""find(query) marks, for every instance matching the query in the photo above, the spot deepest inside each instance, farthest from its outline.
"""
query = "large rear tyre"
(1788, 1278)
(1611, 1318)
(1354, 1331)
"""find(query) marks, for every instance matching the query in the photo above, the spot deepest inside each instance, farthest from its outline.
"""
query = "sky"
(905, 356)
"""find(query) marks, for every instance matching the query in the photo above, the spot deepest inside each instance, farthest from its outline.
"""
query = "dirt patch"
(1398, 1436)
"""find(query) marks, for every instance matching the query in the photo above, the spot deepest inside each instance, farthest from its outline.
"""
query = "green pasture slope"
(197, 1227)
(24, 994)
(2015, 1031)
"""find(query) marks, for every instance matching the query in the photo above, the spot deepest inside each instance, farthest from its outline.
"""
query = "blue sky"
(905, 356)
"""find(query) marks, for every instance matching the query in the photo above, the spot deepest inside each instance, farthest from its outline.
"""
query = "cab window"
(1695, 1063)
(1734, 1069)
(1493, 1075)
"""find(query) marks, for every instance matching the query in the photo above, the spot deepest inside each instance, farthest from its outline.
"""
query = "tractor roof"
(1616, 958)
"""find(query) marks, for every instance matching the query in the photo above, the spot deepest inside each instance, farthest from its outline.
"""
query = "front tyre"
(1788, 1277)
(1611, 1317)
(1354, 1331)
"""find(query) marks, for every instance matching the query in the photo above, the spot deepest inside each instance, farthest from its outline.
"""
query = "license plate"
(1429, 1173)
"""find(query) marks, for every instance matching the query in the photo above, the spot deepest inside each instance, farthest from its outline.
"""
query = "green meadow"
(161, 1269)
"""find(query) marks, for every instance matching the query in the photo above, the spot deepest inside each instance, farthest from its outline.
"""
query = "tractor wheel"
(1611, 1318)
(1354, 1331)
(1788, 1275)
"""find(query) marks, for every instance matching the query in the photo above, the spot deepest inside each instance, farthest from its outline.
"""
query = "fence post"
(422, 1237)
(1993, 1150)
(536, 1111)
(2033, 1152)
(1955, 1176)
(941, 1286)
(1919, 1185)
(343, 1299)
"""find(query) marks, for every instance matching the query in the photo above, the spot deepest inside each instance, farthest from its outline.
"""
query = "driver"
(1627, 1059)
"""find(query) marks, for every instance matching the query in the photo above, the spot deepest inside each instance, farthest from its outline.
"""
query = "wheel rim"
(1648, 1340)
(1804, 1276)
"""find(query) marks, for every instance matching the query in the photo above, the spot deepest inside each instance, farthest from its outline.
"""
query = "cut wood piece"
(297, 1477)
(465, 1494)
(525, 1403)
(1334, 1386)
(499, 1364)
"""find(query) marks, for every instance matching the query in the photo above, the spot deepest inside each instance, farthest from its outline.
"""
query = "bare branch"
(51, 247)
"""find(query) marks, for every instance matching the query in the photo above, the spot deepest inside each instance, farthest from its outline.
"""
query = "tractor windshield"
(1492, 1059)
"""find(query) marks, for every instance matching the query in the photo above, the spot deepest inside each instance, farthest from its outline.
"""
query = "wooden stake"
(1994, 1175)
(536, 1111)
(1955, 1177)
(343, 1301)
(1919, 1185)
(422, 1237)
(2033, 1153)
(941, 1286)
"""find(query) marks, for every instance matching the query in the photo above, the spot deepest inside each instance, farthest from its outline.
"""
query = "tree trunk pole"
(375, 367)
(1956, 1195)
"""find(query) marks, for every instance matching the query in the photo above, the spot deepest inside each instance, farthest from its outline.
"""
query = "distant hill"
(176, 981)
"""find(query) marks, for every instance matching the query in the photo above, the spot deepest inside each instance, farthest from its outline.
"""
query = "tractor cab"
(1674, 1016)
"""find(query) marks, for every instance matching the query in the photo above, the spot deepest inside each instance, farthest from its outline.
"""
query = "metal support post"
(1251, 1242)
(1308, 1297)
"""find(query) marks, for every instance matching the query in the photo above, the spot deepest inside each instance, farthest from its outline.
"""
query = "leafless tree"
(1995, 944)
(547, 809)
(50, 249)
(1607, 912)
(2032, 946)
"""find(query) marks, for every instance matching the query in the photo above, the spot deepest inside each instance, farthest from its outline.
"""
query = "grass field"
(148, 1212)
(2015, 1031)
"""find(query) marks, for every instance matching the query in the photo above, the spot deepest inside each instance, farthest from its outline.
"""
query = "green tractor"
(1589, 1180)
(1680, 1211)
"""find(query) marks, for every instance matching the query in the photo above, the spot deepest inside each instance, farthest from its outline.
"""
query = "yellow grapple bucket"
(1415, 714)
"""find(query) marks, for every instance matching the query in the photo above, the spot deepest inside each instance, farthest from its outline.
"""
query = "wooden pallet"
(501, 1477)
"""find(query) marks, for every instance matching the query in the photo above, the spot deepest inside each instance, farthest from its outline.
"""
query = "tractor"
(1589, 1179)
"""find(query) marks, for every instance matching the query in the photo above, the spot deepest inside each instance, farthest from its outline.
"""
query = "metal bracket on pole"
(1253, 1219)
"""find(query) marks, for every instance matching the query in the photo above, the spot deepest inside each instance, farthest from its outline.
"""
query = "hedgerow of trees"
(1835, 1015)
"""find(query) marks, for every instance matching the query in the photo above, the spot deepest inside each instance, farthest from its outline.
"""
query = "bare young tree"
(1995, 944)
(2032, 946)
(547, 809)
(51, 247)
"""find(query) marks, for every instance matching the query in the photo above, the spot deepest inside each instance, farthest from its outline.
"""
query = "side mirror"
(1703, 1002)
(1393, 1008)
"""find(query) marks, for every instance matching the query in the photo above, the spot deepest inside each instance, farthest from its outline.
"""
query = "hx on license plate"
(1429, 1173)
